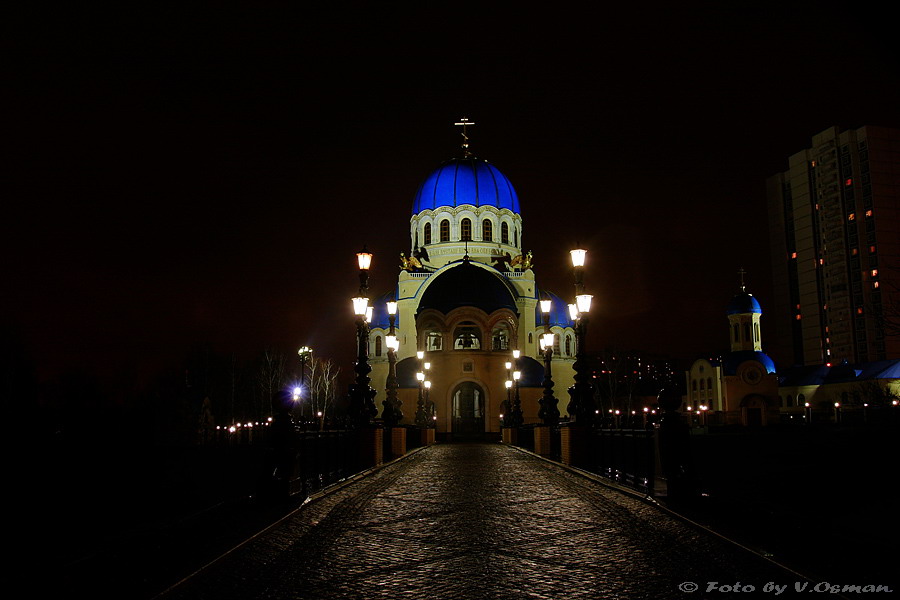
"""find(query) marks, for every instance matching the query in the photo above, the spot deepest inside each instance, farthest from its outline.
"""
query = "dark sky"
(194, 174)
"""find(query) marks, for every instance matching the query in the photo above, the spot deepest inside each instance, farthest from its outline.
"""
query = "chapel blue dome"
(735, 359)
(559, 311)
(743, 303)
(466, 181)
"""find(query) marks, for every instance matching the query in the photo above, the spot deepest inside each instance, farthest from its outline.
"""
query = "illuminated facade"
(466, 299)
(835, 249)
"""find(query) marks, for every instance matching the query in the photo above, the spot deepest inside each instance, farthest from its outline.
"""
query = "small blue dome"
(743, 303)
(466, 181)
(734, 360)
(559, 311)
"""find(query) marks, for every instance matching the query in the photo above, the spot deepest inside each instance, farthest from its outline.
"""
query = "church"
(741, 389)
(465, 339)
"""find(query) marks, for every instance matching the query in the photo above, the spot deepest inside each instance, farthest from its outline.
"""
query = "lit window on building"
(848, 181)
(851, 217)
(793, 255)
(869, 213)
(874, 272)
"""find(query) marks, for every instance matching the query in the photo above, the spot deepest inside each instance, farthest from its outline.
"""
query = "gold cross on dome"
(741, 272)
(464, 123)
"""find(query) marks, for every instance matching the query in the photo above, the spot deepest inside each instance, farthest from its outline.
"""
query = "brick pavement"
(479, 521)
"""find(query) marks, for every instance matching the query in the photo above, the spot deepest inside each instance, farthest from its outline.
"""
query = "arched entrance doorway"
(468, 409)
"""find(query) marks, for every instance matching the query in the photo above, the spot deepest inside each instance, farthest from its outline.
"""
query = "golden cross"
(464, 123)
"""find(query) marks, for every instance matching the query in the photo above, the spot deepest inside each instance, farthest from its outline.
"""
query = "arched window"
(756, 332)
(427, 233)
(504, 233)
(465, 229)
(433, 340)
(445, 230)
(515, 237)
(702, 385)
(709, 383)
(737, 333)
(790, 400)
(801, 400)
(467, 337)
(694, 385)
(500, 337)
(746, 332)
(530, 338)
(487, 230)
(378, 345)
(556, 344)
(568, 345)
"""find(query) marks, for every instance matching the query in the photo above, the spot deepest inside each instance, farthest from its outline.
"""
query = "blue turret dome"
(743, 303)
(559, 310)
(467, 180)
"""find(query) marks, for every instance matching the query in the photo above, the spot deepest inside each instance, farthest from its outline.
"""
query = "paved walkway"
(480, 521)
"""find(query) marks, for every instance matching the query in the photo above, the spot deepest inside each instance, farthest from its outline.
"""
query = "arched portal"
(468, 409)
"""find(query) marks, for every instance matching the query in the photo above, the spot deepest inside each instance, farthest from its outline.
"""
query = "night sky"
(194, 174)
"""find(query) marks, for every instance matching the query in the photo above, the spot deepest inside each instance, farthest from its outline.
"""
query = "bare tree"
(323, 385)
(270, 378)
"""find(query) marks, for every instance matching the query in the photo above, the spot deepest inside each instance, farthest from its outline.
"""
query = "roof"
(743, 303)
(467, 180)
(734, 359)
(464, 284)
(840, 373)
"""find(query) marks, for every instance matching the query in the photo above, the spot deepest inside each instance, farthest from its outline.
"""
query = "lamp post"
(507, 404)
(515, 414)
(430, 414)
(305, 354)
(581, 401)
(548, 413)
(508, 383)
(362, 406)
(421, 417)
(393, 412)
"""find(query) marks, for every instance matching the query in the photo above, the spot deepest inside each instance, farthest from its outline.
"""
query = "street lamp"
(548, 413)
(421, 417)
(515, 414)
(508, 383)
(305, 354)
(429, 406)
(362, 405)
(393, 412)
(581, 401)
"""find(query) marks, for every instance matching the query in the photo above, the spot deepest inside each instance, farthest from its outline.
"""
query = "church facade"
(468, 317)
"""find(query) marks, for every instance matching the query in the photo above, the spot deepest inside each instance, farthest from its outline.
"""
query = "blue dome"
(734, 360)
(466, 181)
(743, 303)
(559, 311)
